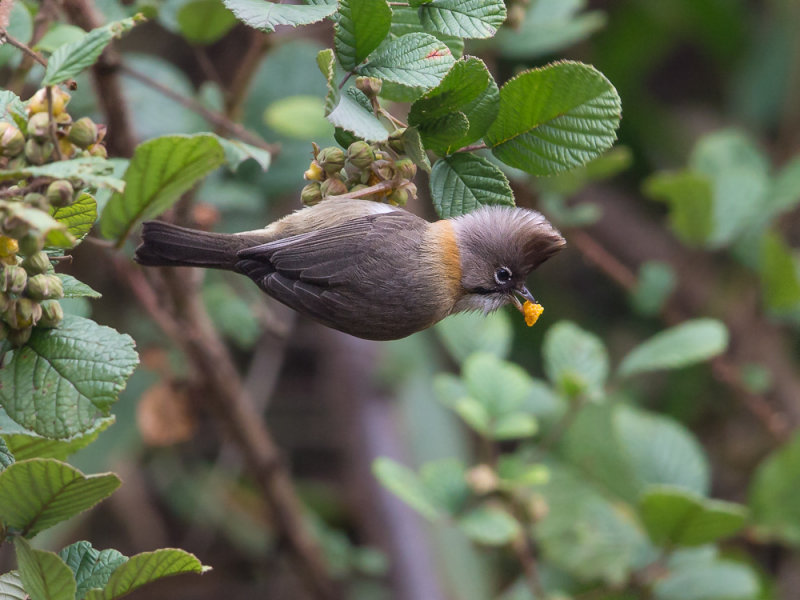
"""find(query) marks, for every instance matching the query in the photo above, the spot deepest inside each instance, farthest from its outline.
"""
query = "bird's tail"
(164, 244)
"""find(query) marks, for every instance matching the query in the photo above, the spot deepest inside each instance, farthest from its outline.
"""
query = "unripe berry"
(36, 263)
(405, 168)
(39, 126)
(311, 194)
(333, 187)
(360, 154)
(19, 337)
(398, 197)
(83, 133)
(44, 287)
(21, 313)
(60, 193)
(12, 142)
(37, 201)
(13, 279)
(31, 244)
(331, 159)
(99, 150)
(52, 313)
(38, 153)
(38, 102)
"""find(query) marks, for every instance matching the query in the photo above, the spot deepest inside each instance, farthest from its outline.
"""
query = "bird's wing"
(320, 273)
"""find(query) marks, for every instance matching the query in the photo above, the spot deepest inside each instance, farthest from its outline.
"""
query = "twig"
(473, 147)
(524, 551)
(346, 78)
(34, 184)
(259, 43)
(383, 186)
(215, 118)
(6, 38)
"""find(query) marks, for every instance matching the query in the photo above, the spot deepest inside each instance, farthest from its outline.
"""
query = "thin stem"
(383, 186)
(215, 118)
(5, 37)
(525, 554)
(473, 147)
(35, 184)
(346, 77)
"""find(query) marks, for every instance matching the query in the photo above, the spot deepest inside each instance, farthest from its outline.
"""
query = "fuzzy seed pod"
(37, 263)
(398, 197)
(405, 168)
(12, 142)
(314, 172)
(19, 337)
(370, 86)
(21, 313)
(13, 279)
(66, 148)
(331, 159)
(15, 227)
(38, 102)
(60, 193)
(52, 313)
(99, 150)
(360, 154)
(333, 187)
(31, 244)
(38, 153)
(311, 194)
(44, 287)
(8, 246)
(39, 126)
(83, 133)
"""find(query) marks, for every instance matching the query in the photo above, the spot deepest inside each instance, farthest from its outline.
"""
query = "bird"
(370, 269)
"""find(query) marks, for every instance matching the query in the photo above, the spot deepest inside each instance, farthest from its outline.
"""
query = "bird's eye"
(502, 275)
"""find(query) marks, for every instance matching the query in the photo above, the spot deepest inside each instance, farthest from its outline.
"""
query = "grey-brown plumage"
(369, 269)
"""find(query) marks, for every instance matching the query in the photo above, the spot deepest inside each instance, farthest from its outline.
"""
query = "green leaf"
(463, 182)
(499, 385)
(12, 110)
(160, 171)
(463, 18)
(58, 383)
(446, 484)
(55, 233)
(406, 485)
(78, 217)
(555, 118)
(780, 274)
(490, 525)
(237, 152)
(465, 333)
(774, 491)
(689, 196)
(739, 172)
(28, 444)
(58, 35)
(70, 59)
(416, 60)
(549, 27)
(675, 516)
(718, 580)
(11, 587)
(456, 96)
(6, 456)
(145, 568)
(326, 61)
(659, 450)
(89, 170)
(76, 289)
(654, 285)
(360, 28)
(301, 117)
(575, 360)
(36, 494)
(91, 568)
(412, 145)
(685, 344)
(43, 574)
(204, 21)
(266, 16)
(351, 115)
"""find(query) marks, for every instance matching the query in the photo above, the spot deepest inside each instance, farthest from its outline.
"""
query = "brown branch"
(215, 118)
(8, 39)
(383, 186)
(258, 44)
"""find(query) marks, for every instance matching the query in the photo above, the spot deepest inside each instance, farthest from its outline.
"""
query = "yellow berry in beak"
(532, 312)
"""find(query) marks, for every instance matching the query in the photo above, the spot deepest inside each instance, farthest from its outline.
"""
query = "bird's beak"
(525, 294)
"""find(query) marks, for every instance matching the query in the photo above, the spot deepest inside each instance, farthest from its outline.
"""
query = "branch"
(215, 118)
(5, 38)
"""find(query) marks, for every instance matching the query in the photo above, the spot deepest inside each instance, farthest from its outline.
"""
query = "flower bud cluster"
(29, 290)
(334, 172)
